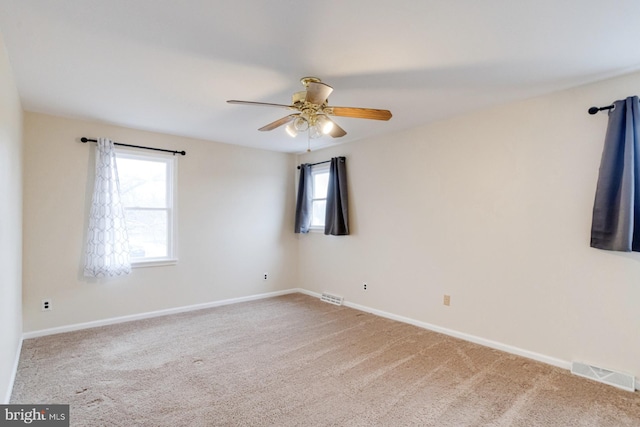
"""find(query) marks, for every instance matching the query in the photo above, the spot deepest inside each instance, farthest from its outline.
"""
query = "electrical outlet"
(266, 276)
(364, 286)
(46, 304)
(447, 300)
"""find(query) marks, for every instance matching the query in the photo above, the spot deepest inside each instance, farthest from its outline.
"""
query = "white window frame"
(171, 209)
(316, 170)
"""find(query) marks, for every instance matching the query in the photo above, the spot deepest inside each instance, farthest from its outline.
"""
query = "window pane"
(143, 183)
(148, 231)
(320, 185)
(317, 215)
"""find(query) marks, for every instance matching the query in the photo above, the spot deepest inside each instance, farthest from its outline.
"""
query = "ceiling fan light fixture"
(324, 123)
(300, 124)
(291, 130)
(315, 132)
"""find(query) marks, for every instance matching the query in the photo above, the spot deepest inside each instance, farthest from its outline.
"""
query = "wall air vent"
(616, 379)
(331, 299)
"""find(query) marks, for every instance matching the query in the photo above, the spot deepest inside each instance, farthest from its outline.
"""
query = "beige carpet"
(295, 361)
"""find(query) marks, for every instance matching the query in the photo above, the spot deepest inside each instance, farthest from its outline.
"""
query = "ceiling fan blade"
(317, 92)
(261, 104)
(279, 122)
(336, 131)
(359, 113)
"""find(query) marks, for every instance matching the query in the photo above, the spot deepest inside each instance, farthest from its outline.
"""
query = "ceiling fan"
(313, 111)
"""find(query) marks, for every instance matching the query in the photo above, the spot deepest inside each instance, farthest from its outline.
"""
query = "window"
(320, 180)
(147, 186)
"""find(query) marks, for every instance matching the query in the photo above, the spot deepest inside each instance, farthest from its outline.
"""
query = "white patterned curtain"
(107, 251)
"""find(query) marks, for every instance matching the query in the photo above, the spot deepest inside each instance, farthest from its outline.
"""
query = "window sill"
(159, 263)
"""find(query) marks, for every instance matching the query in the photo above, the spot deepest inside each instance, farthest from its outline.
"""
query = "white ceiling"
(169, 66)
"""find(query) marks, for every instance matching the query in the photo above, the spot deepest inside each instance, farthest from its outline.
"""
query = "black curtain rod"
(319, 163)
(184, 153)
(594, 110)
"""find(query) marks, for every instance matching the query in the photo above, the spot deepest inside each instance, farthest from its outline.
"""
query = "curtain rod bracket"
(595, 110)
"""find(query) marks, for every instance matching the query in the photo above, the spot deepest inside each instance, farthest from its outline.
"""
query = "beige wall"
(10, 224)
(494, 209)
(234, 221)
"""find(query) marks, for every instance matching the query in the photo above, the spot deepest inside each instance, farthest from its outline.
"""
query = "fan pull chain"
(308, 142)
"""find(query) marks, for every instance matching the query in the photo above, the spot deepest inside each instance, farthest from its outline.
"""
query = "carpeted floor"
(295, 361)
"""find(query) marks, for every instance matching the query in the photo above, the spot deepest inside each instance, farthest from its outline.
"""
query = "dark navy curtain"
(616, 210)
(337, 213)
(303, 202)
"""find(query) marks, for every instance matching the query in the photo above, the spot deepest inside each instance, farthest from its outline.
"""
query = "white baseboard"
(151, 314)
(14, 372)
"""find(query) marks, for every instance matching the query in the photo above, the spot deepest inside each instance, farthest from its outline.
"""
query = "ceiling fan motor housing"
(299, 97)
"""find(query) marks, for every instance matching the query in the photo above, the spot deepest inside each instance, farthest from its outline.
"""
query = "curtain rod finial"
(593, 110)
